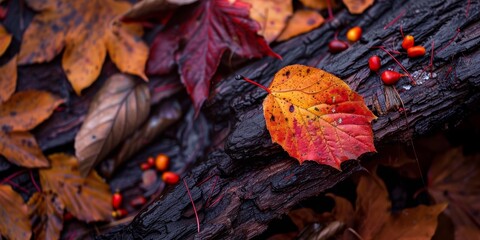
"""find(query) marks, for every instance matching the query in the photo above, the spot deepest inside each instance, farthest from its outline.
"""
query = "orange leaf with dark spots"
(47, 214)
(8, 79)
(14, 221)
(5, 39)
(88, 199)
(357, 6)
(302, 21)
(22, 149)
(86, 30)
(315, 116)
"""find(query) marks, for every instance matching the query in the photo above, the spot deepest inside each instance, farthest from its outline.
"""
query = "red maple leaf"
(206, 30)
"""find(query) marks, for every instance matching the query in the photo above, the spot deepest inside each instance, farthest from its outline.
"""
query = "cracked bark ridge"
(255, 182)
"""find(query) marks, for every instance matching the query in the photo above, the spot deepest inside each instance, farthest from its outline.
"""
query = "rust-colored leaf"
(8, 79)
(5, 39)
(14, 221)
(315, 116)
(318, 4)
(455, 178)
(87, 30)
(22, 149)
(25, 110)
(87, 198)
(417, 223)
(47, 214)
(117, 110)
(272, 16)
(343, 210)
(302, 21)
(303, 217)
(149, 8)
(357, 6)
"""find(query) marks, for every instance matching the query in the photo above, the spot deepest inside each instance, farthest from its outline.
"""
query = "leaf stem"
(240, 77)
(193, 204)
(34, 182)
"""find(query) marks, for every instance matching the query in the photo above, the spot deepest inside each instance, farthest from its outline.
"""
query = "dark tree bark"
(239, 189)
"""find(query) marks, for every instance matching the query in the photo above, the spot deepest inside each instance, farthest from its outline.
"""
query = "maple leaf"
(212, 27)
(8, 79)
(87, 30)
(22, 112)
(302, 21)
(5, 39)
(117, 110)
(14, 221)
(272, 16)
(455, 178)
(88, 198)
(315, 116)
(47, 212)
(372, 218)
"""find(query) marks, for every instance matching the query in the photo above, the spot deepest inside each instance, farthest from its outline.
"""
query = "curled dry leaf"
(272, 16)
(357, 6)
(5, 39)
(25, 110)
(46, 211)
(148, 8)
(8, 79)
(22, 149)
(166, 114)
(14, 221)
(302, 21)
(117, 110)
(455, 179)
(315, 116)
(87, 30)
(210, 28)
(87, 198)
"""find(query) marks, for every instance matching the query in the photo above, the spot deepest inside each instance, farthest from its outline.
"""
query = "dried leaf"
(302, 21)
(272, 16)
(87, 30)
(455, 178)
(417, 223)
(25, 110)
(149, 8)
(343, 210)
(5, 39)
(357, 6)
(14, 221)
(315, 116)
(21, 149)
(210, 28)
(8, 79)
(47, 212)
(318, 4)
(303, 217)
(88, 198)
(117, 110)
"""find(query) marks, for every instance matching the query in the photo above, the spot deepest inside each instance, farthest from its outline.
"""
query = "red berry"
(170, 178)
(374, 63)
(417, 51)
(145, 166)
(408, 42)
(336, 46)
(151, 161)
(390, 77)
(119, 213)
(138, 201)
(354, 34)
(161, 162)
(117, 200)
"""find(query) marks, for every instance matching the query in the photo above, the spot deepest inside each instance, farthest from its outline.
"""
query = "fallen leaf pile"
(315, 116)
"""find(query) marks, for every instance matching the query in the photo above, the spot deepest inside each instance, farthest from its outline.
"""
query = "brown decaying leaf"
(302, 21)
(357, 6)
(47, 212)
(8, 79)
(318, 4)
(25, 110)
(87, 30)
(272, 16)
(117, 110)
(14, 221)
(21, 149)
(455, 178)
(87, 198)
(5, 39)
(166, 114)
(343, 210)
(303, 217)
(149, 8)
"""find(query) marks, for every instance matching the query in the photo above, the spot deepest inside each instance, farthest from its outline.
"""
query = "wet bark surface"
(248, 181)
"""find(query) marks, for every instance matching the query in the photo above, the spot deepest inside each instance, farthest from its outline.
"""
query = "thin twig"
(193, 204)
(34, 182)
